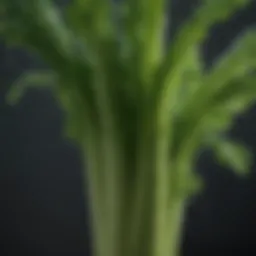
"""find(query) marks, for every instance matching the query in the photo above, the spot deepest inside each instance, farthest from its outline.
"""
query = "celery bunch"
(139, 112)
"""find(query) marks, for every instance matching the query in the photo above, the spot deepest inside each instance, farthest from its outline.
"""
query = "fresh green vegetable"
(139, 113)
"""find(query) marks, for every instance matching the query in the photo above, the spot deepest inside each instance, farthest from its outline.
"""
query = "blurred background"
(42, 209)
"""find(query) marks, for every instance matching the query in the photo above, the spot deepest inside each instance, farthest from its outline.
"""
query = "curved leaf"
(185, 182)
(233, 65)
(226, 91)
(192, 185)
(232, 155)
(31, 79)
(228, 104)
(76, 120)
(38, 25)
(192, 33)
(218, 117)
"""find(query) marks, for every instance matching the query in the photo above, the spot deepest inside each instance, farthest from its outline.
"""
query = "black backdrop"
(41, 196)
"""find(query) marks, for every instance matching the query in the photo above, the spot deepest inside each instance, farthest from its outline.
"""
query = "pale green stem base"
(135, 231)
(134, 209)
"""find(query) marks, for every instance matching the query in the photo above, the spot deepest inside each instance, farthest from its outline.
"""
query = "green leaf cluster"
(110, 58)
(141, 112)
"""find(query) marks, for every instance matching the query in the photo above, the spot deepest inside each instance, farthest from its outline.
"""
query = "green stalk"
(97, 200)
(162, 191)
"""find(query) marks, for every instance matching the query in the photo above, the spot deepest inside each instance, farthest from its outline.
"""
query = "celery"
(139, 113)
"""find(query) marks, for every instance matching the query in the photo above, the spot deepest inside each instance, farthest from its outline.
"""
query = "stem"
(175, 227)
(144, 219)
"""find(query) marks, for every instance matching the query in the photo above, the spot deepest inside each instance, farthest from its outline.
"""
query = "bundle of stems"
(139, 111)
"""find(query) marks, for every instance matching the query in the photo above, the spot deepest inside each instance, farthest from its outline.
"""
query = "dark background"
(42, 208)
